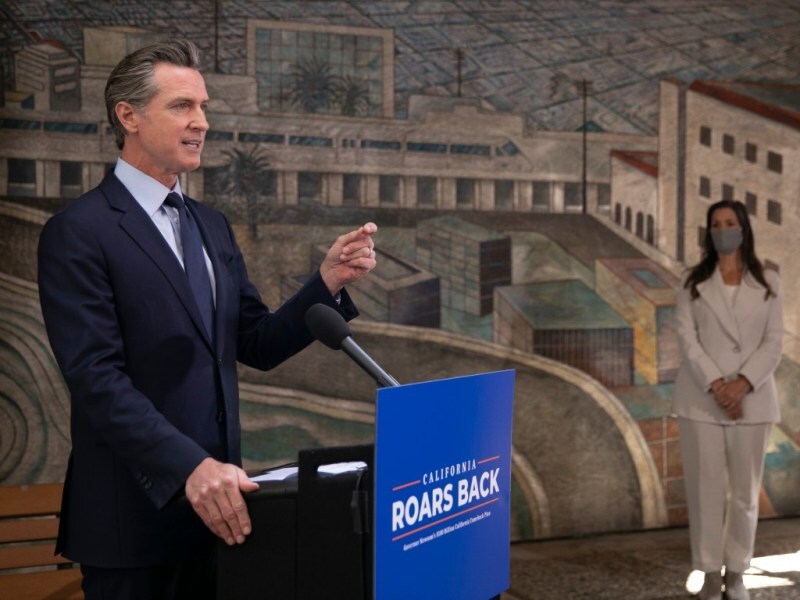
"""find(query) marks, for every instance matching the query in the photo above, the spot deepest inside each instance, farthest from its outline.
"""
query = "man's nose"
(199, 121)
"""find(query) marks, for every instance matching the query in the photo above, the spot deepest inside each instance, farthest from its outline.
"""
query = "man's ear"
(127, 116)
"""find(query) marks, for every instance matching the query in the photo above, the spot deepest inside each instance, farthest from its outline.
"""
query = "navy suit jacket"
(152, 396)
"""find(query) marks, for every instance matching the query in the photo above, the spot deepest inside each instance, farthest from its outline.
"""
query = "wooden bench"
(29, 569)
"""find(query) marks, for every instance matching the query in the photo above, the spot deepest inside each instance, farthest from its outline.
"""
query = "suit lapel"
(138, 225)
(751, 294)
(712, 291)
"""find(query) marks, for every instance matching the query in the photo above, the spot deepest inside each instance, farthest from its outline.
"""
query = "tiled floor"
(646, 566)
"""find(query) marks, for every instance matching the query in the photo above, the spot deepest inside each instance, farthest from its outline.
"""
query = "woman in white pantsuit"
(730, 327)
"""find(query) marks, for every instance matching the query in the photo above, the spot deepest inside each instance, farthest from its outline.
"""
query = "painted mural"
(539, 171)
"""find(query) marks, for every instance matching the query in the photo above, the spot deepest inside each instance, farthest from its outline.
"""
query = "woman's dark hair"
(705, 268)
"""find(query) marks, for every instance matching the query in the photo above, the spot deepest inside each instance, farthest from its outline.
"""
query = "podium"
(311, 534)
(427, 516)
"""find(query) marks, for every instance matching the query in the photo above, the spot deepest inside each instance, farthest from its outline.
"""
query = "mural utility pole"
(582, 87)
(216, 36)
(459, 61)
(585, 94)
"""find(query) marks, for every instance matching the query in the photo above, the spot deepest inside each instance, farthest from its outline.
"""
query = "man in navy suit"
(155, 406)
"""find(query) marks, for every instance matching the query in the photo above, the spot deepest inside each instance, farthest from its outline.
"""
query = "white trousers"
(722, 470)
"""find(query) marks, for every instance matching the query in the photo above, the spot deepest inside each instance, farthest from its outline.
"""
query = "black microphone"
(330, 328)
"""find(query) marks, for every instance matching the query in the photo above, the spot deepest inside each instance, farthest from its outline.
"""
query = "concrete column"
(447, 197)
(372, 191)
(401, 190)
(86, 177)
(280, 187)
(591, 199)
(485, 192)
(335, 188)
(323, 189)
(192, 183)
(40, 175)
(670, 216)
(51, 171)
(557, 197)
(362, 189)
(288, 191)
(409, 198)
(523, 196)
(3, 177)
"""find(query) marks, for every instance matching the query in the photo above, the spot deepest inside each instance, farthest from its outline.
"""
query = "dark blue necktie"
(193, 261)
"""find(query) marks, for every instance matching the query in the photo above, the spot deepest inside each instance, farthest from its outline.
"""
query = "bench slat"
(39, 555)
(28, 530)
(30, 500)
(63, 584)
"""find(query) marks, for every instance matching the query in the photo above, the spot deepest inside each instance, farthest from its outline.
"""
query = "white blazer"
(717, 340)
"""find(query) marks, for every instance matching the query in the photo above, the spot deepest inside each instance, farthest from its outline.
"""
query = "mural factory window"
(389, 189)
(628, 218)
(727, 191)
(319, 71)
(381, 144)
(541, 196)
(573, 196)
(21, 177)
(651, 229)
(470, 149)
(310, 140)
(465, 192)
(265, 138)
(639, 225)
(426, 191)
(267, 182)
(351, 189)
(751, 152)
(751, 202)
(603, 197)
(618, 213)
(214, 179)
(504, 194)
(728, 144)
(705, 187)
(309, 188)
(219, 136)
(71, 179)
(701, 236)
(426, 147)
(775, 162)
(507, 149)
(705, 136)
(774, 212)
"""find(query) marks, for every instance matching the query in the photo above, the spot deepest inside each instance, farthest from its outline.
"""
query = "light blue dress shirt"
(150, 194)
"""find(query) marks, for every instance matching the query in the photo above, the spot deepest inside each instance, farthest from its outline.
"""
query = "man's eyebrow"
(190, 99)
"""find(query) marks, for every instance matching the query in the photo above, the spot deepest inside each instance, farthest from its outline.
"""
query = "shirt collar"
(148, 192)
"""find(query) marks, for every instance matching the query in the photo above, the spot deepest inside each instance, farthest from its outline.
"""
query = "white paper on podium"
(279, 474)
(342, 467)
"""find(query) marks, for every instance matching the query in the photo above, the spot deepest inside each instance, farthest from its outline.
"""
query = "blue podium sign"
(442, 488)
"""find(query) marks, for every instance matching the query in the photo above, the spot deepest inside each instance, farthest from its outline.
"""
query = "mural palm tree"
(352, 96)
(248, 176)
(313, 87)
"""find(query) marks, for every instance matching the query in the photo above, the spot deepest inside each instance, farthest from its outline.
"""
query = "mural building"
(540, 172)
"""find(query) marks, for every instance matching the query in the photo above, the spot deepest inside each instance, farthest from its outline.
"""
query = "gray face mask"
(727, 241)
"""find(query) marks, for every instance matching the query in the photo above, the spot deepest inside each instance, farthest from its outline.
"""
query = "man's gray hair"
(132, 79)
